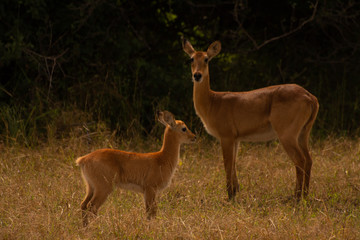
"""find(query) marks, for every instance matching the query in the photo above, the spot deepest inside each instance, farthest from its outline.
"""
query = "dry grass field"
(41, 190)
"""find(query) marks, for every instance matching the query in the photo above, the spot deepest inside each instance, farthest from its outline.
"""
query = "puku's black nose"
(197, 76)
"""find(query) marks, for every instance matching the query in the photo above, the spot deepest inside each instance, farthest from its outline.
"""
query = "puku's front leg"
(150, 202)
(229, 149)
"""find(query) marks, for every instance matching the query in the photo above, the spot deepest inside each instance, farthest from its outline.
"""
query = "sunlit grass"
(41, 190)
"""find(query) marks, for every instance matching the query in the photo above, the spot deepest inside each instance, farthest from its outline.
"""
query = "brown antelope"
(286, 112)
(147, 173)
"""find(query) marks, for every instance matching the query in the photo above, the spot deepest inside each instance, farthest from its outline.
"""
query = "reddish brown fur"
(286, 112)
(147, 173)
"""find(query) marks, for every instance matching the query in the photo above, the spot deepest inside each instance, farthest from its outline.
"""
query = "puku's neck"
(201, 95)
(170, 149)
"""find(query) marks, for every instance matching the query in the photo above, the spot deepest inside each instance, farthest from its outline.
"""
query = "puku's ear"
(188, 48)
(167, 118)
(213, 49)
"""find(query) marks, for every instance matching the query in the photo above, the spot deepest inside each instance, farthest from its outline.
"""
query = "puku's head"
(177, 126)
(199, 60)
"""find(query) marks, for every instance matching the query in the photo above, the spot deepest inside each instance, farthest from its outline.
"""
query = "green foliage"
(18, 125)
(122, 60)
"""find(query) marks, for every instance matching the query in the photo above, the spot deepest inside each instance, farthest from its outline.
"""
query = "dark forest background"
(117, 62)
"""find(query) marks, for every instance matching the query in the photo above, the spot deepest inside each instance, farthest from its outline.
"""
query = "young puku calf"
(147, 173)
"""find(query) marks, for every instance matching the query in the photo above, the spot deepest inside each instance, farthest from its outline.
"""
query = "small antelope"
(286, 112)
(147, 173)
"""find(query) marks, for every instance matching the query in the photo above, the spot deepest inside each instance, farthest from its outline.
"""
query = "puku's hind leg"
(306, 168)
(98, 198)
(84, 204)
(289, 130)
(292, 148)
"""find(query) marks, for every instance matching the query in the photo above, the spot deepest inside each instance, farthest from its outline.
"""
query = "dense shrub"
(122, 60)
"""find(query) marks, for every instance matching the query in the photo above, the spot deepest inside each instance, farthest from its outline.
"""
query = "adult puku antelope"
(286, 112)
(147, 173)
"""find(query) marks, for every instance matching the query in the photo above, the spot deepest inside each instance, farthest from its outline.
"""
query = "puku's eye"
(184, 129)
(191, 60)
(206, 60)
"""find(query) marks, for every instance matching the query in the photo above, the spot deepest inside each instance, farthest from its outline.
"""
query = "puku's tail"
(80, 161)
(305, 132)
(315, 110)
